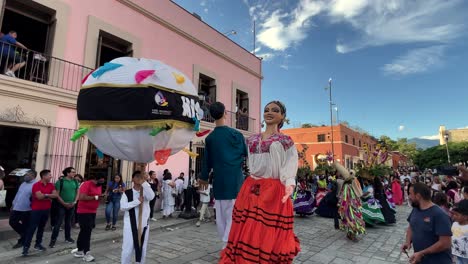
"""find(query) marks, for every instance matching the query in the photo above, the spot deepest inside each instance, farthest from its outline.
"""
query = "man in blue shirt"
(225, 154)
(429, 229)
(9, 54)
(19, 217)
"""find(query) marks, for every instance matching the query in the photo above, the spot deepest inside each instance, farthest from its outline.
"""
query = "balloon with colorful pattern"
(138, 110)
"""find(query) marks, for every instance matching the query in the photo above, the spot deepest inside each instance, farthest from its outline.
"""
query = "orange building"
(348, 144)
(399, 160)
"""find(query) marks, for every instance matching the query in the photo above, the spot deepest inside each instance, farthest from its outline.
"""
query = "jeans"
(204, 211)
(113, 208)
(54, 212)
(37, 221)
(19, 221)
(87, 223)
(460, 260)
(63, 213)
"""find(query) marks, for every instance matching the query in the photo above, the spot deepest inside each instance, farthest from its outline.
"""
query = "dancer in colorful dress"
(263, 217)
(370, 206)
(322, 188)
(397, 191)
(304, 199)
(350, 204)
(379, 194)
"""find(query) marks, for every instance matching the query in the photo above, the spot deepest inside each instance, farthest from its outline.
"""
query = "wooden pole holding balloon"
(140, 217)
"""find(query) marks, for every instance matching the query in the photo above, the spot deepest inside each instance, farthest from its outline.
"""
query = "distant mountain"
(424, 143)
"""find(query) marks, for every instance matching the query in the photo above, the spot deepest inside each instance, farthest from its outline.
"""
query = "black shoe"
(18, 245)
(52, 244)
(25, 252)
(40, 247)
(71, 241)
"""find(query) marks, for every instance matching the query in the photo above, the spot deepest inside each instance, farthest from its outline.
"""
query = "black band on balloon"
(136, 103)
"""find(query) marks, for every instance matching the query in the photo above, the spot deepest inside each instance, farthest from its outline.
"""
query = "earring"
(263, 123)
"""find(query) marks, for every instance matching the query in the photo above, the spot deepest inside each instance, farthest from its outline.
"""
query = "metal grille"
(61, 152)
(199, 160)
(42, 68)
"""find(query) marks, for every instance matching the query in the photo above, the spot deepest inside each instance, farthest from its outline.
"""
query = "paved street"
(188, 244)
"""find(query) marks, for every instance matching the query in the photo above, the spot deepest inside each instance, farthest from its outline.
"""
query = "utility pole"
(331, 117)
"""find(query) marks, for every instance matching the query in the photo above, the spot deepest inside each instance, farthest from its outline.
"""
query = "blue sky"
(399, 68)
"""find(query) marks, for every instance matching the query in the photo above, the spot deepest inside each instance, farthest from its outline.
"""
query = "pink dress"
(397, 193)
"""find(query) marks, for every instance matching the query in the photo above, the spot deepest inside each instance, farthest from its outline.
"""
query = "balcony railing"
(235, 120)
(41, 68)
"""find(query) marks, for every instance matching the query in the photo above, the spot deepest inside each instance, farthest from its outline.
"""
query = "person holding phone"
(114, 192)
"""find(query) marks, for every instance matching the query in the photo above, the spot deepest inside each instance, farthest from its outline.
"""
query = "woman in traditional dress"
(350, 204)
(328, 207)
(396, 191)
(263, 217)
(322, 188)
(168, 187)
(304, 200)
(387, 211)
(370, 206)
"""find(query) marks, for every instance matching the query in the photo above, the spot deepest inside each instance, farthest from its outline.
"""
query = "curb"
(14, 256)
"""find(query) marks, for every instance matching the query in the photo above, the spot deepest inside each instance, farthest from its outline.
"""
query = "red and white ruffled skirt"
(262, 226)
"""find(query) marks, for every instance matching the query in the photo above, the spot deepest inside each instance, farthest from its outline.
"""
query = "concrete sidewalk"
(99, 235)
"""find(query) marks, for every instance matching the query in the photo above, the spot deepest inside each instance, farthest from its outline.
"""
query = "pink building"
(66, 39)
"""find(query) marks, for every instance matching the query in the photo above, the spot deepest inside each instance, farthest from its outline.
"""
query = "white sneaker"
(154, 219)
(88, 257)
(198, 223)
(10, 73)
(77, 254)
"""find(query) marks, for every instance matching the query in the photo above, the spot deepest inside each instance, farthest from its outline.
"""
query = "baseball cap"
(461, 207)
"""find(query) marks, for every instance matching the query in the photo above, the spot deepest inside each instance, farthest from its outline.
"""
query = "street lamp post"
(446, 137)
(331, 116)
(337, 114)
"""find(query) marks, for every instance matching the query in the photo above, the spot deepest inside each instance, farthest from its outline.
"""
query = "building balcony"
(37, 68)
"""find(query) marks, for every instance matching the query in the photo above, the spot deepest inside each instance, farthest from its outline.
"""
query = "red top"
(91, 206)
(43, 204)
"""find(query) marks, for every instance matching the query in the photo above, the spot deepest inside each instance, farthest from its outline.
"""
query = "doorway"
(18, 149)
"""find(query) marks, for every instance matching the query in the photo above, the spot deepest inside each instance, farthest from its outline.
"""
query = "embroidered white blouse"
(275, 157)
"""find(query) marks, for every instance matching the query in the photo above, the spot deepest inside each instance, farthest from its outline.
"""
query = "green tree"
(308, 125)
(437, 156)
(389, 143)
(401, 145)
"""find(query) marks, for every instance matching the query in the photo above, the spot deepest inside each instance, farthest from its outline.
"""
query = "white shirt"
(275, 157)
(436, 186)
(125, 206)
(205, 195)
(179, 183)
(460, 240)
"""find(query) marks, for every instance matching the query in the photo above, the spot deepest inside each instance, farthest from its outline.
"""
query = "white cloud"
(280, 30)
(416, 61)
(206, 10)
(347, 8)
(401, 128)
(430, 137)
(267, 56)
(383, 22)
(203, 3)
(284, 66)
(256, 50)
